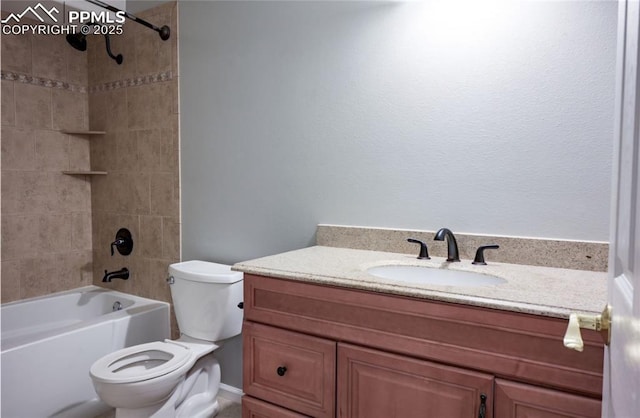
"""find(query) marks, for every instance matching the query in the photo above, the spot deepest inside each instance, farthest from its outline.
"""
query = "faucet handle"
(479, 259)
(123, 242)
(424, 252)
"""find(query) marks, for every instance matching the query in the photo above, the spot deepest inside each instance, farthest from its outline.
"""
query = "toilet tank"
(205, 298)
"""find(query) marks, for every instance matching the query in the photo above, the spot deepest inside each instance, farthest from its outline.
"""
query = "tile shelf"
(73, 132)
(84, 173)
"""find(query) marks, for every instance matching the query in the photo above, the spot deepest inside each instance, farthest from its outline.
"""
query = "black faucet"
(123, 274)
(452, 245)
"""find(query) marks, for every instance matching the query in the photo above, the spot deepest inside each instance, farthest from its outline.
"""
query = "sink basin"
(428, 275)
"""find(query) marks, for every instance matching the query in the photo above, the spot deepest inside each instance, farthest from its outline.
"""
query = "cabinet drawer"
(253, 408)
(290, 369)
(517, 400)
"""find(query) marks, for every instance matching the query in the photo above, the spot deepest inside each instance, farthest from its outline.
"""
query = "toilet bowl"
(177, 378)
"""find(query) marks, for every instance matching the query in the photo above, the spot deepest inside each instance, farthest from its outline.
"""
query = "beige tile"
(139, 276)
(97, 109)
(77, 66)
(38, 275)
(81, 236)
(54, 233)
(71, 193)
(74, 270)
(158, 273)
(80, 152)
(164, 194)
(116, 110)
(33, 106)
(52, 150)
(49, 57)
(158, 150)
(175, 97)
(150, 239)
(8, 109)
(12, 189)
(146, 47)
(175, 67)
(18, 148)
(150, 105)
(95, 57)
(128, 192)
(10, 286)
(69, 109)
(103, 152)
(20, 236)
(28, 192)
(126, 152)
(16, 53)
(170, 238)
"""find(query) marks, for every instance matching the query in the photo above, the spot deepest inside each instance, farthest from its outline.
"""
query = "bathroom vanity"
(323, 338)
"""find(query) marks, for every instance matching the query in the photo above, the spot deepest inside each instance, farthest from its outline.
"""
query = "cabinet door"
(374, 384)
(253, 408)
(518, 400)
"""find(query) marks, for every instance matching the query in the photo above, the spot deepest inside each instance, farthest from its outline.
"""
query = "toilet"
(177, 378)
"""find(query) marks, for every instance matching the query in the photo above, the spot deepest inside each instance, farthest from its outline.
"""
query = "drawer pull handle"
(483, 406)
(281, 370)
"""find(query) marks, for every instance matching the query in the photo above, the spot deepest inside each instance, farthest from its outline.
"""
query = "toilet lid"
(141, 362)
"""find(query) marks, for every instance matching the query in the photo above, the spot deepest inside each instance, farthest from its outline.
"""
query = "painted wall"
(491, 120)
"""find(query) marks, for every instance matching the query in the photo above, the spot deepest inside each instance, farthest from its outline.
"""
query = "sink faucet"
(452, 245)
(123, 274)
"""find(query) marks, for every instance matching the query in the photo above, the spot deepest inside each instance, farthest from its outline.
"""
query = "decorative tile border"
(577, 255)
(63, 85)
(132, 82)
(41, 82)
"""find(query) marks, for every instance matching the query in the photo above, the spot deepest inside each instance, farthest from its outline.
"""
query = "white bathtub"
(49, 343)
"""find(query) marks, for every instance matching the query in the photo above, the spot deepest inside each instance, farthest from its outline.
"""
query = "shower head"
(78, 41)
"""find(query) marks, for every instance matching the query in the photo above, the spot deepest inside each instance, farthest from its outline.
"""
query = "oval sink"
(428, 275)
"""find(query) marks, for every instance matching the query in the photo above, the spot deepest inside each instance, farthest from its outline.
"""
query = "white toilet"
(177, 378)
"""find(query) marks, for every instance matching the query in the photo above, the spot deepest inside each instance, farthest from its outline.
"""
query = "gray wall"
(409, 115)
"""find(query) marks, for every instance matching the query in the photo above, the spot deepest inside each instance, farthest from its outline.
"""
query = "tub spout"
(123, 274)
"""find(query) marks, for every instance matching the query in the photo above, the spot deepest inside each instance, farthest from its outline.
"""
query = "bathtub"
(49, 343)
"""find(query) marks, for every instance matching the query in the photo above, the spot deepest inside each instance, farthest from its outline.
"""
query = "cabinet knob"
(281, 370)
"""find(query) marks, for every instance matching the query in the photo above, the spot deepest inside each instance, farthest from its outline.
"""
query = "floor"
(228, 409)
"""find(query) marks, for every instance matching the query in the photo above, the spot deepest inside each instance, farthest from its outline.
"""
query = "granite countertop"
(546, 291)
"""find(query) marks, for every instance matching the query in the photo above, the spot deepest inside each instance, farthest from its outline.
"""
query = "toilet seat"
(141, 362)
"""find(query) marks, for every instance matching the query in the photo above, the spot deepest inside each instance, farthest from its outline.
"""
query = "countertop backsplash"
(577, 255)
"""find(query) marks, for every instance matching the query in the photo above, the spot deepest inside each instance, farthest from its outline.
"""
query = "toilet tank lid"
(204, 271)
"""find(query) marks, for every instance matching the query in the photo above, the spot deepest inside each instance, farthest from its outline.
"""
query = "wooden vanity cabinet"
(322, 351)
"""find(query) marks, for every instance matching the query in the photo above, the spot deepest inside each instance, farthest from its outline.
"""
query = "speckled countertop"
(544, 291)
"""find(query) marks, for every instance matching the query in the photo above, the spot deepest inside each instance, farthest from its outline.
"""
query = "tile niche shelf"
(83, 172)
(81, 132)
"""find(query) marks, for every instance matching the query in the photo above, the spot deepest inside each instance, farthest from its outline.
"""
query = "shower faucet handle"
(123, 242)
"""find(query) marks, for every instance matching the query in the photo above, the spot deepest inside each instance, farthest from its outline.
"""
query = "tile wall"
(46, 215)
(136, 103)
(56, 228)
